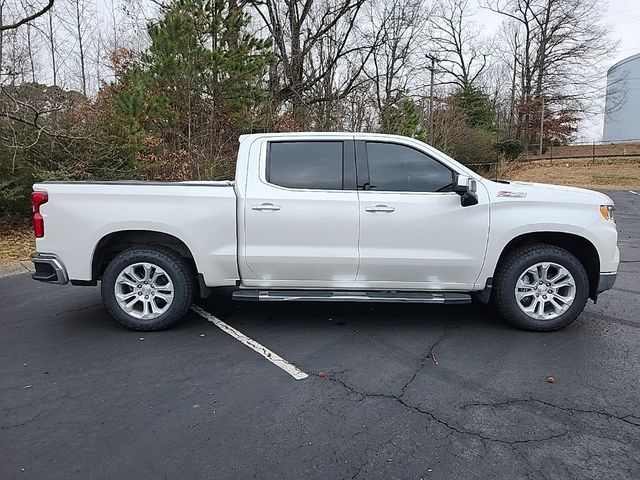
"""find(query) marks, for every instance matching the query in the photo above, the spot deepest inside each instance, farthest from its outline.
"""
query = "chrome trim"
(430, 297)
(380, 208)
(61, 277)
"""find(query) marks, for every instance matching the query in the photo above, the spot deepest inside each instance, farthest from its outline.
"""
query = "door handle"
(266, 206)
(380, 208)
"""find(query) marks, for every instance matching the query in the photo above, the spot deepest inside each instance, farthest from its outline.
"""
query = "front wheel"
(541, 287)
(147, 288)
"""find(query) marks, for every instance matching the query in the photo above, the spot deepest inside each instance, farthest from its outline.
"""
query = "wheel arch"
(115, 242)
(581, 247)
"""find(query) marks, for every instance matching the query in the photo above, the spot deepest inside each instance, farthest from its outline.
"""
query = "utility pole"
(54, 68)
(513, 93)
(541, 124)
(433, 73)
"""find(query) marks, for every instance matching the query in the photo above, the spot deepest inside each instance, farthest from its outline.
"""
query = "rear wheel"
(541, 287)
(147, 288)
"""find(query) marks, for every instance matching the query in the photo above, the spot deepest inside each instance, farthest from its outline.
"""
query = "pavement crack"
(630, 419)
(417, 409)
(78, 309)
(429, 355)
(17, 425)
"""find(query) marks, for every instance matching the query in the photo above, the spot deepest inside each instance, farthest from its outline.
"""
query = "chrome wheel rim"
(144, 290)
(545, 291)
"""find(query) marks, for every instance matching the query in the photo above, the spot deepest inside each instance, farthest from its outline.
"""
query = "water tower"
(622, 108)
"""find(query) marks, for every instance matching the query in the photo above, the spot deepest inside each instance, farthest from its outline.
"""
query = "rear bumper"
(48, 268)
(606, 281)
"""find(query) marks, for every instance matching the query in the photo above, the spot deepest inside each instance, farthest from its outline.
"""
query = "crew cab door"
(300, 215)
(414, 232)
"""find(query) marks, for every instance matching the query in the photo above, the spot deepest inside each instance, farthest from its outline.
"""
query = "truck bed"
(78, 216)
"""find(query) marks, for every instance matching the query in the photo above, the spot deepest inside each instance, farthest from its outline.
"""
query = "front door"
(414, 233)
(301, 216)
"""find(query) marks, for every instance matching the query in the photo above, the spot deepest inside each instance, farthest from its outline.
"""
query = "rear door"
(414, 232)
(301, 215)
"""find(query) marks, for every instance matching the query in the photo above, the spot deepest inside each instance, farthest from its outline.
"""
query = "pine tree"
(404, 118)
(200, 75)
(477, 106)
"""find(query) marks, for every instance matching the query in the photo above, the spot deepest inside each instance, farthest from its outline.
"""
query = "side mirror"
(466, 187)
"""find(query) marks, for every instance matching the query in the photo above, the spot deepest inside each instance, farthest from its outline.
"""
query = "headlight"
(607, 212)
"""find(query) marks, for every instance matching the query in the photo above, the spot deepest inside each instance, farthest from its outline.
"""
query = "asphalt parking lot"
(405, 391)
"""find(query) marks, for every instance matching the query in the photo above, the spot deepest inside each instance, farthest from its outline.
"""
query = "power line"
(627, 20)
(623, 11)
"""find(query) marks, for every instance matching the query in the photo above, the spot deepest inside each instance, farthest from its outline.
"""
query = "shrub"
(510, 148)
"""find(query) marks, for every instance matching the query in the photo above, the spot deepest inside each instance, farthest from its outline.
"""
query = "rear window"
(309, 165)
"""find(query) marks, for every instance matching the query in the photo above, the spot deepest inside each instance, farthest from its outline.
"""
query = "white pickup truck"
(330, 217)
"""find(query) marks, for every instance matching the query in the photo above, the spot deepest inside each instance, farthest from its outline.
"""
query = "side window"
(311, 165)
(400, 168)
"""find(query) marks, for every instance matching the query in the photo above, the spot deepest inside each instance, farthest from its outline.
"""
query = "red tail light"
(37, 199)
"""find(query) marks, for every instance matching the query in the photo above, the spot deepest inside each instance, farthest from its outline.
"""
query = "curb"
(16, 268)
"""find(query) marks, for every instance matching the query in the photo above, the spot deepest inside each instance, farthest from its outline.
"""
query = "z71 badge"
(506, 193)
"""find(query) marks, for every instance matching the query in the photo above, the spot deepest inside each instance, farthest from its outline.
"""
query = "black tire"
(515, 263)
(179, 272)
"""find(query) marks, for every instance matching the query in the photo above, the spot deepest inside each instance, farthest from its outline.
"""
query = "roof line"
(623, 61)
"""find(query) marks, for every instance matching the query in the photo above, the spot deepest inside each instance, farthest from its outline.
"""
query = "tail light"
(37, 199)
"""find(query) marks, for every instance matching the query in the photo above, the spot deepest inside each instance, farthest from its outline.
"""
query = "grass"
(601, 174)
(16, 243)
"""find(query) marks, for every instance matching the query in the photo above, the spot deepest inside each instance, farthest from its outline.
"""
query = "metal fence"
(578, 152)
(584, 151)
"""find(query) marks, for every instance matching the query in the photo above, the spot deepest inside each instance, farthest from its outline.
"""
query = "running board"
(348, 296)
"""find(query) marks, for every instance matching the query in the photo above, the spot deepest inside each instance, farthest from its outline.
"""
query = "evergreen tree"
(404, 118)
(477, 106)
(201, 73)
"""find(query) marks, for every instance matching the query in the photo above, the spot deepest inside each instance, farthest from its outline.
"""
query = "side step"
(349, 296)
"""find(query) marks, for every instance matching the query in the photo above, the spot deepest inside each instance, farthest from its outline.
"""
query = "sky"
(623, 17)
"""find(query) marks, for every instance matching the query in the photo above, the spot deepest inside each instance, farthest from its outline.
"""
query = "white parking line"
(635, 193)
(274, 358)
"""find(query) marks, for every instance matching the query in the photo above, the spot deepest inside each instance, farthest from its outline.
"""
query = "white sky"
(623, 16)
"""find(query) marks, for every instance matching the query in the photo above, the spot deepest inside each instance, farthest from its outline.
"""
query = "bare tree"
(398, 61)
(561, 47)
(78, 26)
(462, 53)
(16, 60)
(300, 30)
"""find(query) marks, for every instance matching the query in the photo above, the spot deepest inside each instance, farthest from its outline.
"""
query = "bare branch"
(29, 18)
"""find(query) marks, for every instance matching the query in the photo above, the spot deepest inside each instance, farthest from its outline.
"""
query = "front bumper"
(48, 268)
(606, 281)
